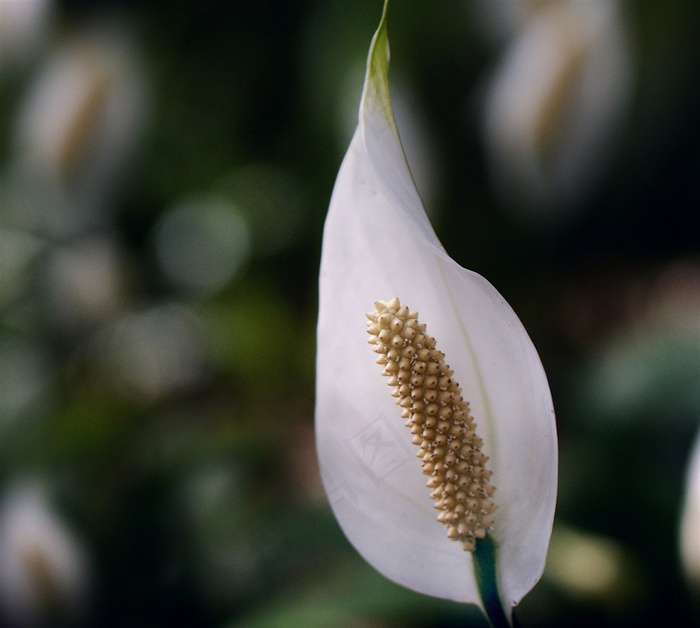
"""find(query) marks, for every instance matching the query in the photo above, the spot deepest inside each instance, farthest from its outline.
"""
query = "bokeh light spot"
(202, 244)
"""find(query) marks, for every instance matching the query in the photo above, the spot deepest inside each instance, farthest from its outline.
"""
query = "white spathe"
(690, 520)
(378, 243)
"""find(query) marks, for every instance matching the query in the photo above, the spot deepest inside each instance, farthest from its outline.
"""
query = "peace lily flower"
(483, 427)
(80, 120)
(556, 99)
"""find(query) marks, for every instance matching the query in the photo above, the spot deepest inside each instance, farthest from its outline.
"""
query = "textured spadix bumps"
(438, 418)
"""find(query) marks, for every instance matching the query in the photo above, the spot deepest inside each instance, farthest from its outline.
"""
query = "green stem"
(485, 570)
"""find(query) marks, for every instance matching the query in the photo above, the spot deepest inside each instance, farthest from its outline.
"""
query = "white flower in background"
(483, 426)
(80, 118)
(43, 568)
(498, 21)
(690, 521)
(555, 100)
(23, 24)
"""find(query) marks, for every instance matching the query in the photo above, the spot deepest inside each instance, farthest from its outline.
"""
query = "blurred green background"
(165, 170)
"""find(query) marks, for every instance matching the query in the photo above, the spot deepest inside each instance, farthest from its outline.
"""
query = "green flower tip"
(377, 80)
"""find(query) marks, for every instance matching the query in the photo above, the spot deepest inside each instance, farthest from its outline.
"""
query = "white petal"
(690, 520)
(378, 243)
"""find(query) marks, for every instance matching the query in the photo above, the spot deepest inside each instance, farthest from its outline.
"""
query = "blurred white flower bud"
(690, 521)
(81, 118)
(43, 568)
(555, 101)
